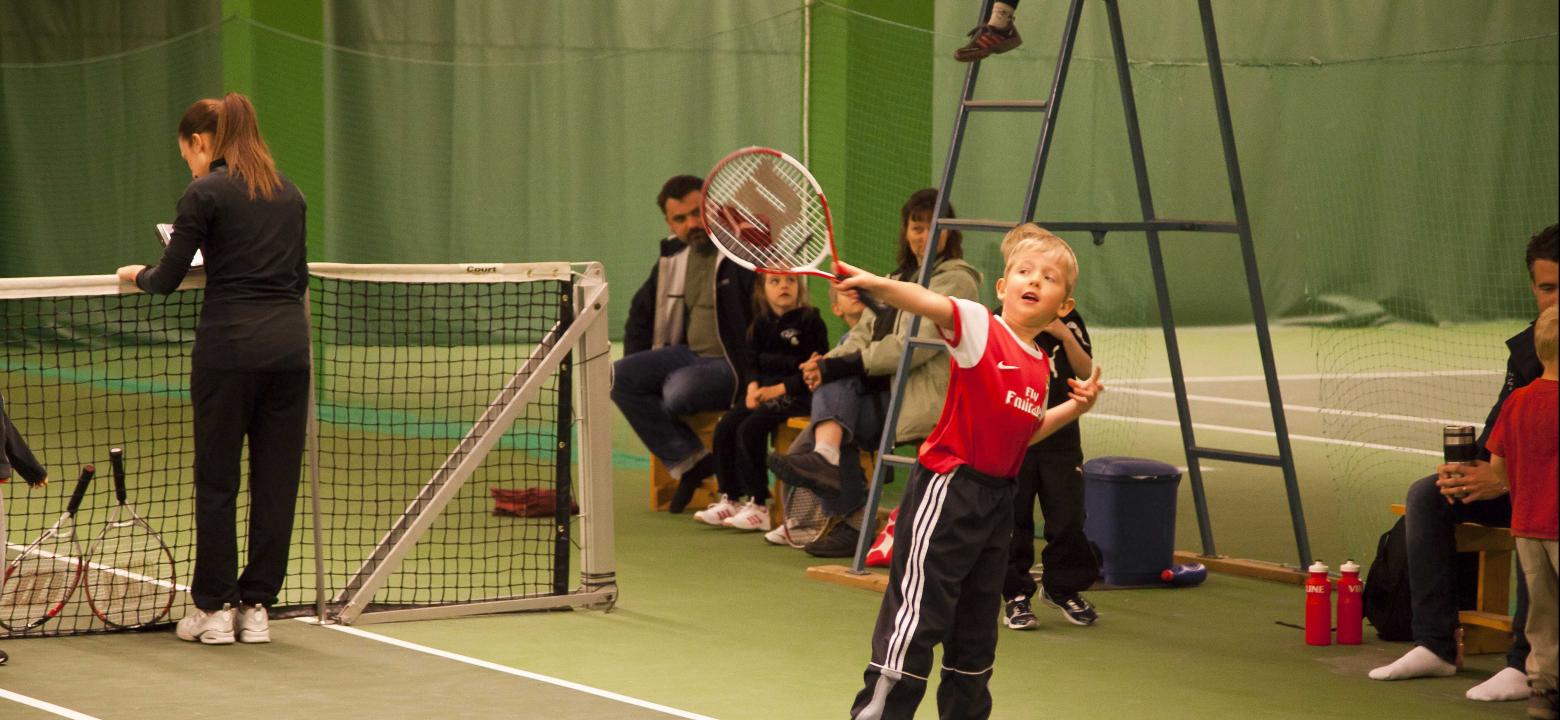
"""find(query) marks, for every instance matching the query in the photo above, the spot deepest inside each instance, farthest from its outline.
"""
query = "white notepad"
(165, 232)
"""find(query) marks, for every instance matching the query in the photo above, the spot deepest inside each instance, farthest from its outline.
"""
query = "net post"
(598, 570)
(314, 457)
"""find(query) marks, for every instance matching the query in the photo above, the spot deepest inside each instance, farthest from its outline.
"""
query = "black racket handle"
(116, 458)
(878, 307)
(87, 471)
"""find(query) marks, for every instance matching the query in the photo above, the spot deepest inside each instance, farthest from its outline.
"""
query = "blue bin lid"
(1123, 468)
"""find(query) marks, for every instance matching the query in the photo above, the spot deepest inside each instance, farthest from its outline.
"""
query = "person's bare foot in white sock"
(1505, 686)
(1417, 663)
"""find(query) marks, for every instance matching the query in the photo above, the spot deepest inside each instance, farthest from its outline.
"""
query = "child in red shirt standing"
(945, 583)
(1525, 455)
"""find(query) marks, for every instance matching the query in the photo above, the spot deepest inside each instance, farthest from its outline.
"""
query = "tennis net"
(441, 472)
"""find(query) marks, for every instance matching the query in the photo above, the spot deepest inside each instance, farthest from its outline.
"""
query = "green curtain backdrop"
(1396, 154)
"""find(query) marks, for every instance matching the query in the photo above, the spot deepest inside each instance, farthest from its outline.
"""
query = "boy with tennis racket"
(957, 513)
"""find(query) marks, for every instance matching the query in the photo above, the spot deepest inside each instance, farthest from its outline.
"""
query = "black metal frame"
(1151, 226)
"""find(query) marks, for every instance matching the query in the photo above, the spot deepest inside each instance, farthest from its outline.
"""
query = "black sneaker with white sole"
(1017, 615)
(807, 470)
(1077, 610)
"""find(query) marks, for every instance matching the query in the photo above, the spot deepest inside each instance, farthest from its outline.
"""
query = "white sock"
(1001, 15)
(828, 452)
(676, 471)
(1417, 663)
(1507, 685)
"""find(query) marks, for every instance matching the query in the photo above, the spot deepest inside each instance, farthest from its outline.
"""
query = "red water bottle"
(1318, 606)
(1351, 604)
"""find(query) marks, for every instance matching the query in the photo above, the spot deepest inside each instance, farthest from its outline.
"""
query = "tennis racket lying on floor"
(768, 214)
(40, 581)
(129, 572)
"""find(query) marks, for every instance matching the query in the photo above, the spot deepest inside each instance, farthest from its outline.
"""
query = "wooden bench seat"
(1487, 627)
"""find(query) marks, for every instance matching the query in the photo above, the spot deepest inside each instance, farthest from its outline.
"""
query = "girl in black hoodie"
(786, 330)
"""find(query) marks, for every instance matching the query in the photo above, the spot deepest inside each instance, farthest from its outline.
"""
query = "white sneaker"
(793, 535)
(752, 516)
(253, 624)
(210, 628)
(717, 512)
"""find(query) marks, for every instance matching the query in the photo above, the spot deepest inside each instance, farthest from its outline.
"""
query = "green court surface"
(713, 623)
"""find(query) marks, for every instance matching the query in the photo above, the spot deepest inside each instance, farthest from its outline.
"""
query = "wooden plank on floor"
(841, 575)
(1259, 569)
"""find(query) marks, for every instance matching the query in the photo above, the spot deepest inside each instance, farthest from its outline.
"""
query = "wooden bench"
(1487, 627)
(663, 485)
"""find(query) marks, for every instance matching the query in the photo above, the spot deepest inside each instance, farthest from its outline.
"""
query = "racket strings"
(768, 213)
(37, 583)
(130, 576)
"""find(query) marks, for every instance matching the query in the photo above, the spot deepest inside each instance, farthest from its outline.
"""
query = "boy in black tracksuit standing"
(1052, 476)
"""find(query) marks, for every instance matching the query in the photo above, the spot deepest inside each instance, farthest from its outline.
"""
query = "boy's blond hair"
(1544, 334)
(1030, 237)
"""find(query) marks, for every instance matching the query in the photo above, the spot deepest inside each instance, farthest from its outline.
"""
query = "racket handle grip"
(116, 458)
(87, 471)
(878, 307)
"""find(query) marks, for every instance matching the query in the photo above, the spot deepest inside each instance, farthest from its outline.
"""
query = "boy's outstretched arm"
(1081, 397)
(907, 296)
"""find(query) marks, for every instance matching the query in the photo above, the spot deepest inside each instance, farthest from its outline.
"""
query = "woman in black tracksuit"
(249, 370)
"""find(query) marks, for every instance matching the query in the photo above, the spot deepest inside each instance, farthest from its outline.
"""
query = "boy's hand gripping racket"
(40, 581)
(767, 213)
(130, 575)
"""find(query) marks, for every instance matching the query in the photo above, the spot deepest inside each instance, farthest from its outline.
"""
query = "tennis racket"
(40, 581)
(129, 572)
(768, 214)
(804, 516)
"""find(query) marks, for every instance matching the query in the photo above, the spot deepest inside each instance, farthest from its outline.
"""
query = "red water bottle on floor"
(1351, 604)
(1318, 606)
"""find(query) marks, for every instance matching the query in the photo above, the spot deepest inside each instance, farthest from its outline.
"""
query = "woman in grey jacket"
(851, 384)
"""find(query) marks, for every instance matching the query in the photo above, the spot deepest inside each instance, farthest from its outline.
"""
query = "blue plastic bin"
(1131, 517)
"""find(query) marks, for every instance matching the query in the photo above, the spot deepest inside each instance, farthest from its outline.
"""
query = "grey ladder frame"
(1151, 225)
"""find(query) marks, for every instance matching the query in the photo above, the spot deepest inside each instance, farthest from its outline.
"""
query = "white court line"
(45, 705)
(1269, 433)
(1316, 376)
(110, 570)
(1297, 408)
(512, 671)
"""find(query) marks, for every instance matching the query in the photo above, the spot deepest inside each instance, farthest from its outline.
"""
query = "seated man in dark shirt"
(1469, 493)
(686, 333)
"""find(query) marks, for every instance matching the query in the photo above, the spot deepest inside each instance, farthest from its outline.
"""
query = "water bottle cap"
(1319, 567)
(1349, 566)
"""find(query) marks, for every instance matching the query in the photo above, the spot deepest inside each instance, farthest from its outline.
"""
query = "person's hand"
(39, 484)
(752, 400)
(1086, 392)
(1057, 329)
(772, 392)
(128, 272)
(1469, 483)
(811, 374)
(852, 279)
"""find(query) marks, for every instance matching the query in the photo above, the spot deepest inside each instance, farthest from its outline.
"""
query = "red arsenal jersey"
(1525, 435)
(996, 396)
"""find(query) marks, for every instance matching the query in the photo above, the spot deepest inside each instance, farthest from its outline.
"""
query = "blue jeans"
(654, 387)
(1431, 528)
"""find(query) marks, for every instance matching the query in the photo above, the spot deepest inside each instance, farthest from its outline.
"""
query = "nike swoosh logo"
(1004, 366)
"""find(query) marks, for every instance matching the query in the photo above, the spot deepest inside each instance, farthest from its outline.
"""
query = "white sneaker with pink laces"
(753, 516)
(717, 512)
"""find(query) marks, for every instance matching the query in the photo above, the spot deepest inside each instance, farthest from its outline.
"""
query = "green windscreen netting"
(1396, 158)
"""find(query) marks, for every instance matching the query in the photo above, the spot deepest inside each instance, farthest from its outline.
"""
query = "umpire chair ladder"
(1151, 225)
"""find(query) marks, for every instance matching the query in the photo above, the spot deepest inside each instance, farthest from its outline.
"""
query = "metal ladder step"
(1008, 105)
(1236, 456)
(979, 225)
